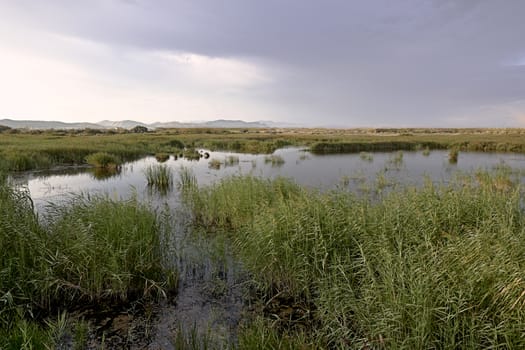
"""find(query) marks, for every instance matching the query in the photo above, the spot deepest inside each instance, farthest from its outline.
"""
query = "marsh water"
(210, 295)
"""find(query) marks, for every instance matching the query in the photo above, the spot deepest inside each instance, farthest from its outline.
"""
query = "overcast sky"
(324, 62)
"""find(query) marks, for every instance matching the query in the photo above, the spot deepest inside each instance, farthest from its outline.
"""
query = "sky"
(343, 63)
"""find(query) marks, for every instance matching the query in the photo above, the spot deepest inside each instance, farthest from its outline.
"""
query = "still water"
(317, 171)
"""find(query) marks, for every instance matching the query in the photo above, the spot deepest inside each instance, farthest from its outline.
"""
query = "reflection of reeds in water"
(366, 156)
(304, 156)
(453, 155)
(275, 160)
(214, 164)
(106, 173)
(159, 177)
(396, 159)
(187, 179)
(231, 160)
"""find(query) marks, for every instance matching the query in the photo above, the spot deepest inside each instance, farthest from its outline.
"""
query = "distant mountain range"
(129, 124)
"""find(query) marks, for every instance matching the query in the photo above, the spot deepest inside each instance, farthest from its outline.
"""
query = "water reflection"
(105, 173)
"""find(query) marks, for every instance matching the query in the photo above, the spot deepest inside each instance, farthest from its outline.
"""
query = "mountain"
(222, 123)
(124, 124)
(40, 124)
(129, 124)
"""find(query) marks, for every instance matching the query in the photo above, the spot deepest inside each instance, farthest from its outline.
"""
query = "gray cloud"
(409, 62)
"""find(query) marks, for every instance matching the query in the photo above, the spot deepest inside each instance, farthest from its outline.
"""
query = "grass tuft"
(159, 176)
(103, 160)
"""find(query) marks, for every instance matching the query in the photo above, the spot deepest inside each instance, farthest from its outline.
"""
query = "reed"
(436, 266)
(159, 176)
(191, 154)
(187, 180)
(91, 251)
(103, 160)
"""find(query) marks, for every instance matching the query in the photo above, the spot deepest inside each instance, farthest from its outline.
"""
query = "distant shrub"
(139, 129)
(176, 143)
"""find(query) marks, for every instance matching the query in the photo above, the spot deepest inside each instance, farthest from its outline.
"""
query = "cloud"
(214, 71)
(90, 81)
(407, 62)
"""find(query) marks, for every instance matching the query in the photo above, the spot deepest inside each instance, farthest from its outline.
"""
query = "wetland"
(263, 239)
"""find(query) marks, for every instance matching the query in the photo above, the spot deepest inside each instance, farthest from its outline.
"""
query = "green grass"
(91, 251)
(187, 180)
(103, 160)
(159, 176)
(191, 154)
(431, 267)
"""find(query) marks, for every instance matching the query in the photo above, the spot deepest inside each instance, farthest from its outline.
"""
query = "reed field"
(92, 251)
(434, 267)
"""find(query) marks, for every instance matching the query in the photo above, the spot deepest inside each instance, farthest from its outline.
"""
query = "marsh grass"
(159, 176)
(426, 151)
(191, 154)
(92, 251)
(187, 180)
(103, 160)
(436, 266)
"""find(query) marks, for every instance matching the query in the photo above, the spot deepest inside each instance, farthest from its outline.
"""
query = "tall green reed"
(436, 266)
